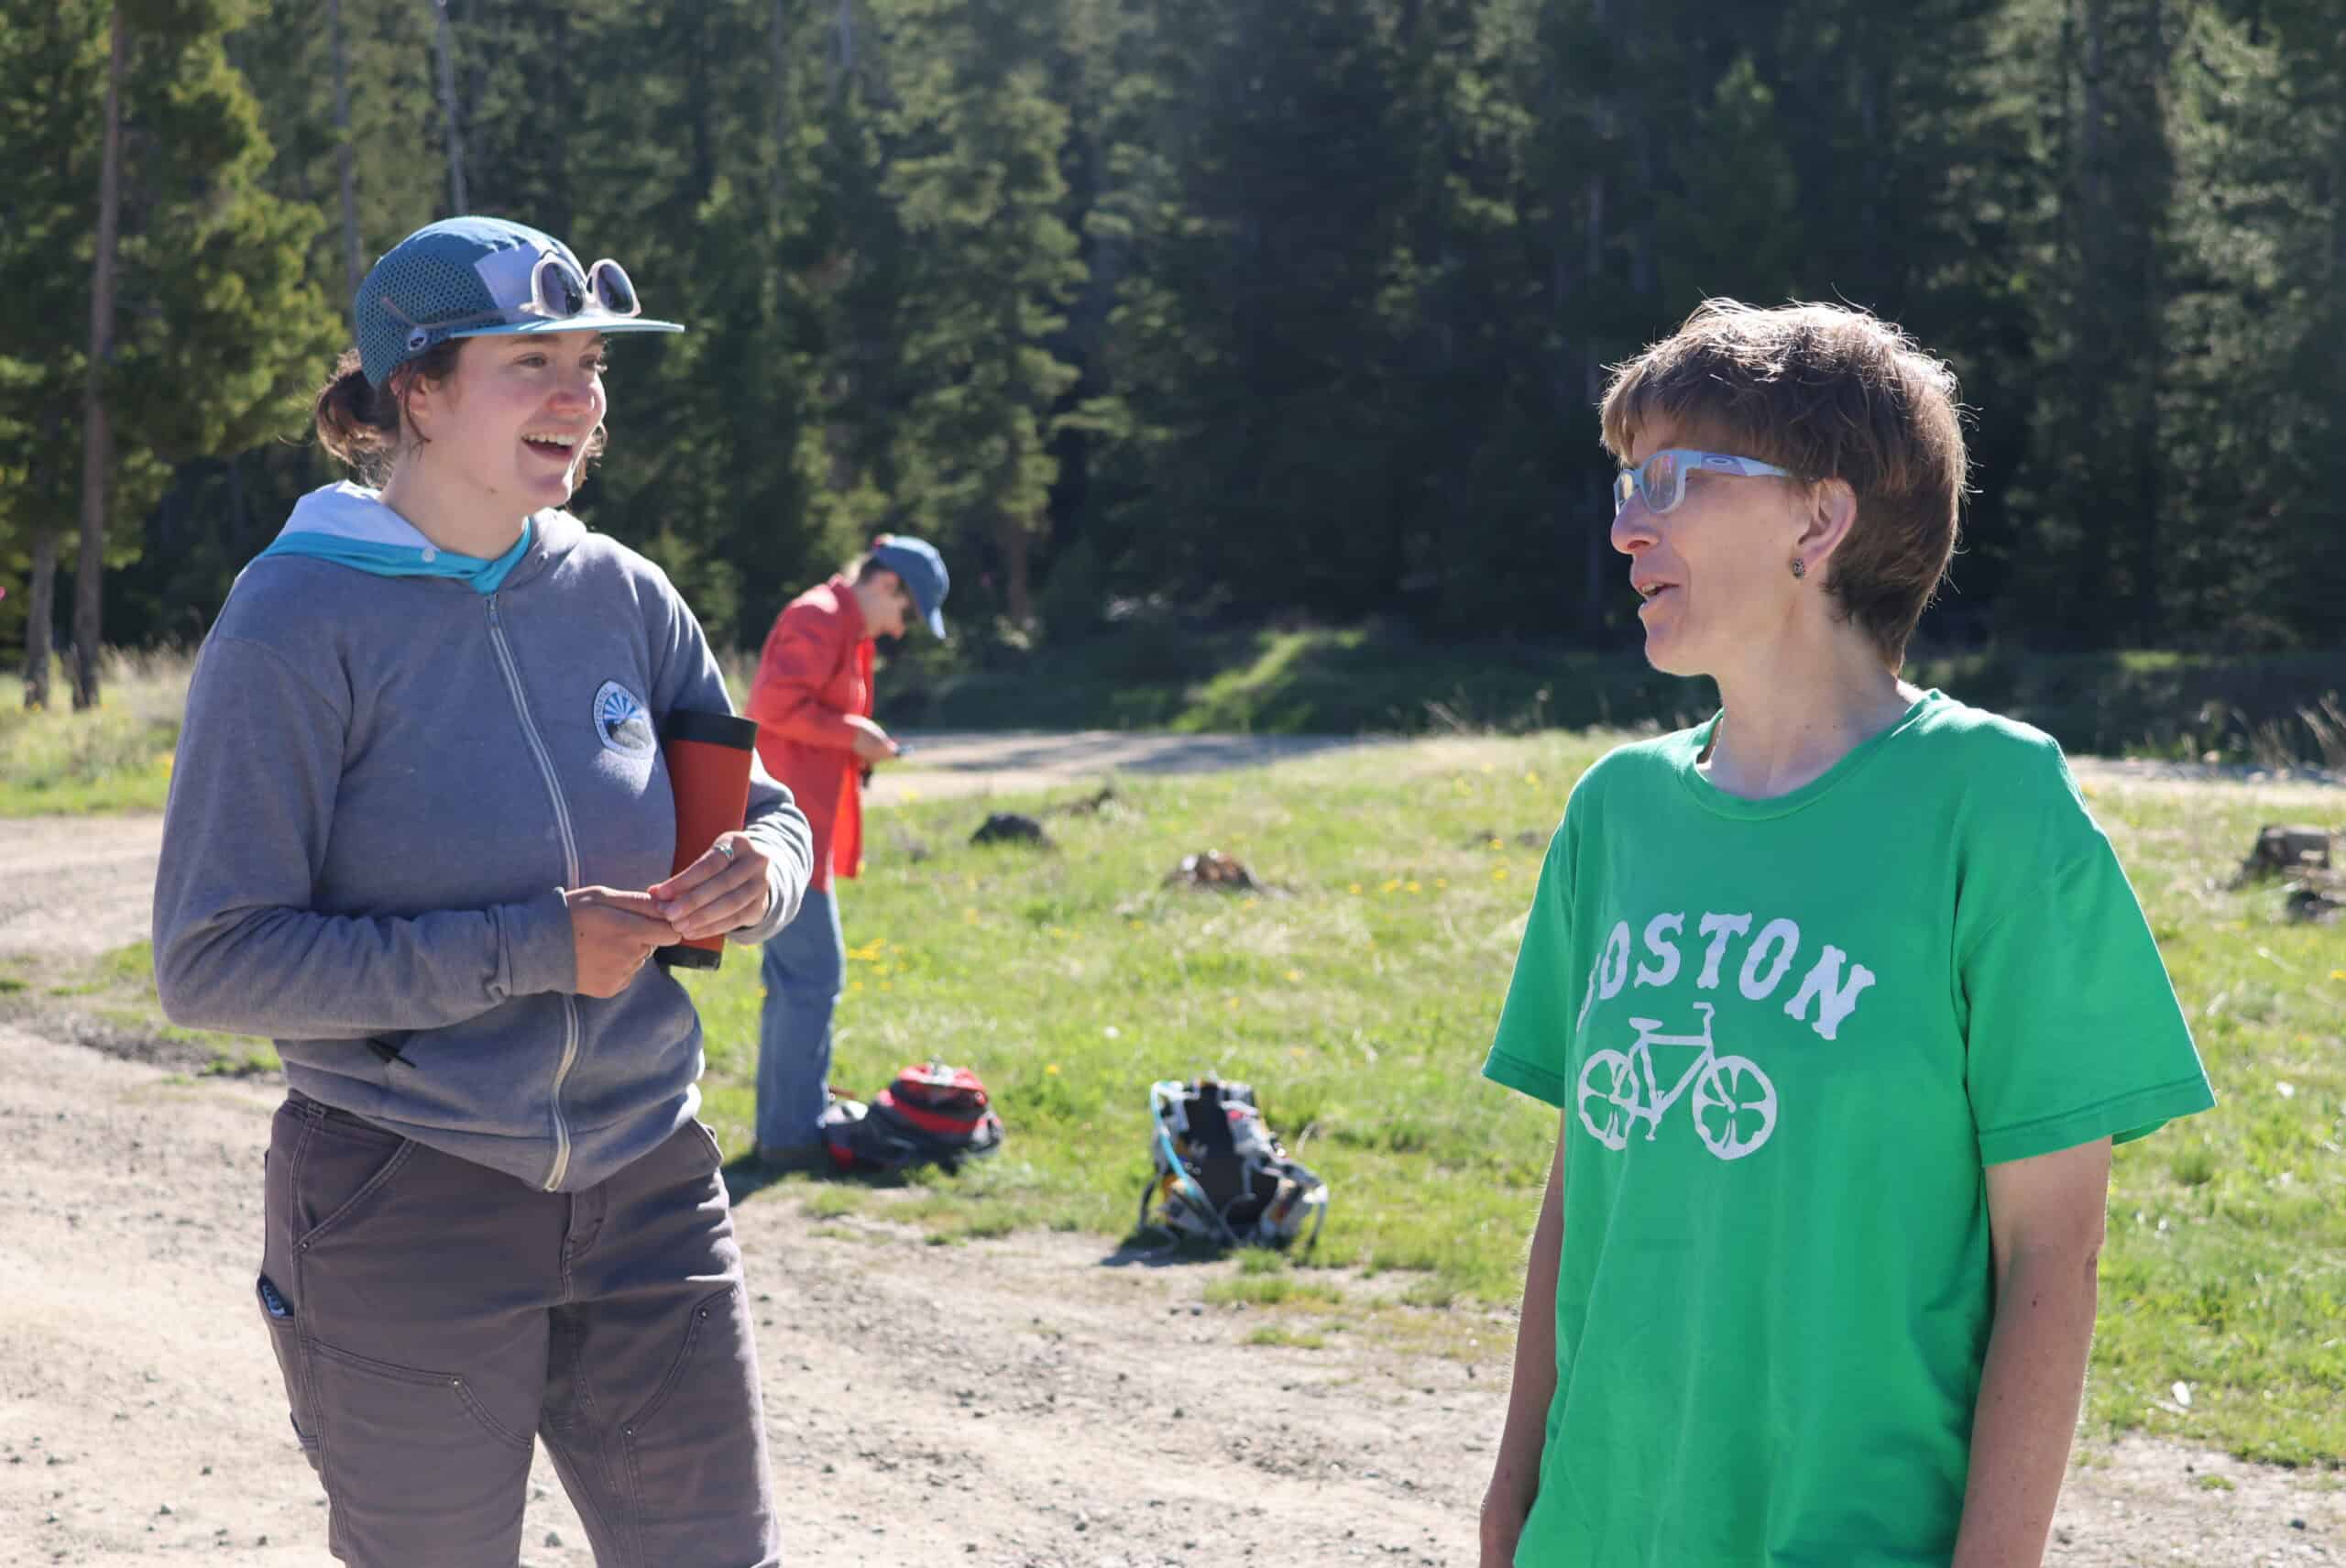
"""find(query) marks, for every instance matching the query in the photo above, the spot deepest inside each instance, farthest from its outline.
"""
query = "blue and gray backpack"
(1221, 1176)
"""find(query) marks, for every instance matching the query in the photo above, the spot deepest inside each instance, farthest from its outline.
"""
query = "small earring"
(1800, 567)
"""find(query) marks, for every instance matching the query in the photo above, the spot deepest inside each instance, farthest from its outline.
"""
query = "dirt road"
(1031, 1400)
(83, 885)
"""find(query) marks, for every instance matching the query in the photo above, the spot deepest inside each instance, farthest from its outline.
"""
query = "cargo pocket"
(697, 1446)
(292, 1364)
(412, 1461)
(427, 1428)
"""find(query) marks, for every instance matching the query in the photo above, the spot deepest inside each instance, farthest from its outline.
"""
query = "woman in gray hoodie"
(421, 833)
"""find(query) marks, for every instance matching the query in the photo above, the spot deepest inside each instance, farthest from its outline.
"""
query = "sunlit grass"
(2225, 1269)
(1294, 1338)
(1360, 998)
(116, 757)
(113, 995)
(1073, 979)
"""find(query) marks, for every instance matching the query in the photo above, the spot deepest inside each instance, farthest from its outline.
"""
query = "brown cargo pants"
(431, 1316)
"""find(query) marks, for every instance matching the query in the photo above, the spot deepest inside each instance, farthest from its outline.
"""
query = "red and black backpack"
(929, 1113)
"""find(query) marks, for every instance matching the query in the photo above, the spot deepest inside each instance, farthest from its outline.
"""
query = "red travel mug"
(709, 772)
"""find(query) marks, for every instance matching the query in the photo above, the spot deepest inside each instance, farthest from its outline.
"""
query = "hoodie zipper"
(570, 879)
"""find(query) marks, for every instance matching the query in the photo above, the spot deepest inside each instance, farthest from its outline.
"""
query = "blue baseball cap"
(922, 571)
(477, 277)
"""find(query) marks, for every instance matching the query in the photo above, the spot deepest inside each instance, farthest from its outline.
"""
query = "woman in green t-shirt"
(1843, 999)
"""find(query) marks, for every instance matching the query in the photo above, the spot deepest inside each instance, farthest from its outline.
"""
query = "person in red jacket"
(812, 699)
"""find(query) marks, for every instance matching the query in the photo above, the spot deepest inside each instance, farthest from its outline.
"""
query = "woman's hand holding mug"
(723, 891)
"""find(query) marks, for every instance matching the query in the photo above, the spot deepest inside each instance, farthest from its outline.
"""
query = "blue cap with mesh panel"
(465, 277)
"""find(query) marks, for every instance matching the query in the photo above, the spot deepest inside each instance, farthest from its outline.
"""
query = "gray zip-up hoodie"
(381, 789)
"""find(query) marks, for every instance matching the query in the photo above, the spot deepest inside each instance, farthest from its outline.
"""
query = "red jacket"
(816, 670)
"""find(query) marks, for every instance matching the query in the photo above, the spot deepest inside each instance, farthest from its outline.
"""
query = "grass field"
(2270, 708)
(109, 1001)
(116, 757)
(1359, 996)
(2274, 709)
(1359, 1000)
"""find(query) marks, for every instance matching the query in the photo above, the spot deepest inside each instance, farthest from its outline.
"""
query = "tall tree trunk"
(2093, 171)
(1645, 265)
(2337, 292)
(2097, 363)
(1876, 171)
(442, 46)
(40, 617)
(1591, 364)
(704, 141)
(778, 44)
(1599, 534)
(565, 217)
(1018, 591)
(97, 437)
(2148, 107)
(344, 158)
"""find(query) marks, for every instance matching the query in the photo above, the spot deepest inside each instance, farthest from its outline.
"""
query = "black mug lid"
(713, 729)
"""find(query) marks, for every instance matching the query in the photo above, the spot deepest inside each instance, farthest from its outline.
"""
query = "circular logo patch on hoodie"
(622, 723)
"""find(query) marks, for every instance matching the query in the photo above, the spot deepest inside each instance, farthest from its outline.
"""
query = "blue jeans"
(805, 968)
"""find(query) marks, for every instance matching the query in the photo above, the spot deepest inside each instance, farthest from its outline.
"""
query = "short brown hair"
(868, 566)
(1829, 392)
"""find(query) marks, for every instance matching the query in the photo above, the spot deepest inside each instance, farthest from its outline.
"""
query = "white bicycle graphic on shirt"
(1619, 1089)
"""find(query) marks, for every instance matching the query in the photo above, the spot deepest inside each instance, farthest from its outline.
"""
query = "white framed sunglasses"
(557, 289)
(558, 293)
(1660, 480)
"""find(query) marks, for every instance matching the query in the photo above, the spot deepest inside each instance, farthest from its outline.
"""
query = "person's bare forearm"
(1534, 1385)
(2027, 1412)
(1515, 1475)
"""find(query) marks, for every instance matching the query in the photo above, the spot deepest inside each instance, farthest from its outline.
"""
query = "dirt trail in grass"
(78, 886)
(1032, 1400)
(81, 885)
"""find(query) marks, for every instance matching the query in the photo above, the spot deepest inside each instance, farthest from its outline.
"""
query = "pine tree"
(989, 265)
(1235, 307)
(52, 73)
(1262, 332)
(214, 331)
(2255, 422)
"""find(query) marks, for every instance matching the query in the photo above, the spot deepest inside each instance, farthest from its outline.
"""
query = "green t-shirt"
(1792, 1033)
